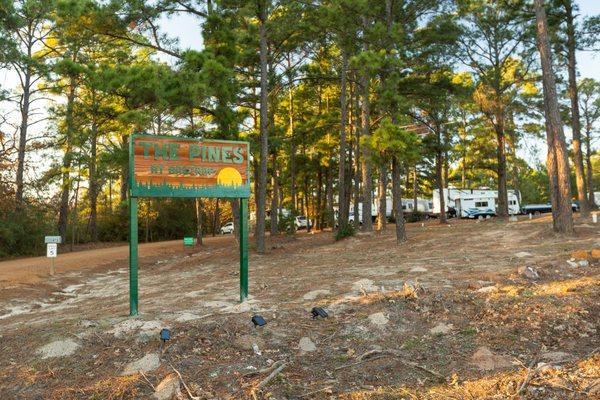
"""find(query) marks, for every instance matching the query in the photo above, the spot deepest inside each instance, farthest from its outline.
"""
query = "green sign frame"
(164, 189)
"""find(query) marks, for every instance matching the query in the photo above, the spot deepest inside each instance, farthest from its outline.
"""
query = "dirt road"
(35, 269)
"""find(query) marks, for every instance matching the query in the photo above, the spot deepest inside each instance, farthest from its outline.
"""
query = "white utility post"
(52, 250)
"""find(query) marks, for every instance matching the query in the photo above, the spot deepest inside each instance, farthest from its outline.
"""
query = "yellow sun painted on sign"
(229, 177)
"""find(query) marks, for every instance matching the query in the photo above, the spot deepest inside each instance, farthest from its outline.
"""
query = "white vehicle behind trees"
(227, 228)
(471, 203)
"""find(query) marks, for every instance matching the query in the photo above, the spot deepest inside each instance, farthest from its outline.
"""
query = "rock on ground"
(59, 348)
(167, 388)
(487, 289)
(556, 357)
(364, 285)
(306, 345)
(522, 254)
(485, 360)
(147, 363)
(315, 293)
(441, 328)
(529, 272)
(246, 342)
(378, 319)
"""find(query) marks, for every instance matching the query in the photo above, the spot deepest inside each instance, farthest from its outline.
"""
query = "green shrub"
(287, 224)
(344, 231)
(414, 216)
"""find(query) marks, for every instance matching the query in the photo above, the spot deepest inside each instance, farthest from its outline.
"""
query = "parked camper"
(351, 216)
(543, 208)
(424, 206)
(472, 203)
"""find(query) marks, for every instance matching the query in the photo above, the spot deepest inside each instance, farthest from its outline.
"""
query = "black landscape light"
(257, 320)
(165, 335)
(318, 312)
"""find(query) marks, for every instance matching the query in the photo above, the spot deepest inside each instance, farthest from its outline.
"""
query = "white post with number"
(51, 253)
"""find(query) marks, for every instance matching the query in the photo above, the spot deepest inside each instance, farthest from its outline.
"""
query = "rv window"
(481, 204)
(512, 202)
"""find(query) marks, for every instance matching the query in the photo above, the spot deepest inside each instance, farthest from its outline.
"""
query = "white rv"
(424, 206)
(472, 203)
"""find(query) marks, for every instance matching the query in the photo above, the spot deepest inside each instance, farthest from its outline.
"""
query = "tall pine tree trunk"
(63, 211)
(575, 118)
(382, 198)
(261, 195)
(590, 171)
(24, 105)
(415, 190)
(397, 201)
(292, 150)
(93, 191)
(198, 222)
(274, 197)
(342, 202)
(558, 161)
(502, 208)
(439, 174)
(367, 178)
(329, 197)
(357, 164)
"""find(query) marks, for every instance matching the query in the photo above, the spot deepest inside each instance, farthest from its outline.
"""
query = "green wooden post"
(133, 256)
(243, 249)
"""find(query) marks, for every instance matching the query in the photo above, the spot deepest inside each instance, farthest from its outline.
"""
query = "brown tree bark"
(198, 222)
(382, 198)
(261, 195)
(357, 163)
(274, 196)
(329, 198)
(93, 178)
(415, 189)
(27, 81)
(63, 211)
(319, 202)
(367, 176)
(558, 162)
(502, 209)
(575, 117)
(342, 201)
(589, 169)
(397, 201)
(439, 174)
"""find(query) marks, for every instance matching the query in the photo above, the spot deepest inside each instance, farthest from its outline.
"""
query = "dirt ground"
(470, 310)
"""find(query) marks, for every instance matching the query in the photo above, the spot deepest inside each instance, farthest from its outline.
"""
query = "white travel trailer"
(471, 203)
(424, 206)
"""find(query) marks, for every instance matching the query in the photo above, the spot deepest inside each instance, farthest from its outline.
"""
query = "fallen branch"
(264, 370)
(272, 375)
(147, 380)
(184, 385)
(314, 392)
(531, 372)
(380, 353)
(357, 363)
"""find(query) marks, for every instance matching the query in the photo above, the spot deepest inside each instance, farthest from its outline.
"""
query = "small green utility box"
(188, 241)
